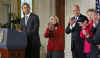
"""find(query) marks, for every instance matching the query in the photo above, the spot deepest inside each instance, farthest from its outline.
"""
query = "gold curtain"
(19, 7)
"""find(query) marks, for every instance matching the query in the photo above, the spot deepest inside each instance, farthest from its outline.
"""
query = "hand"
(19, 30)
(86, 33)
(95, 21)
(50, 26)
(98, 46)
(71, 21)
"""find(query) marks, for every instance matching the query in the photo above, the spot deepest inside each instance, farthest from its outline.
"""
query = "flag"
(98, 6)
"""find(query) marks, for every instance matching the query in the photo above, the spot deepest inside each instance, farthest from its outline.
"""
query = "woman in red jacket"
(55, 35)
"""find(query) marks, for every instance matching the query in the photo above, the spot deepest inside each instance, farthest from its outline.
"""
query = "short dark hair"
(25, 4)
(92, 10)
(82, 19)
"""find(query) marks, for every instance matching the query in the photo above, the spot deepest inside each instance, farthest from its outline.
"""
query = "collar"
(28, 14)
(77, 16)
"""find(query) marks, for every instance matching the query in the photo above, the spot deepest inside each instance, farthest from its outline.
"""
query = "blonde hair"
(57, 19)
(92, 10)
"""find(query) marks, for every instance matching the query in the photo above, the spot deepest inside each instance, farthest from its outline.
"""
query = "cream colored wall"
(45, 9)
(13, 6)
(84, 5)
(4, 11)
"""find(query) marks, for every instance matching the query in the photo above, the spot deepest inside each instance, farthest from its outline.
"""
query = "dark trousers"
(77, 49)
(98, 52)
(55, 54)
(32, 49)
(32, 53)
(91, 55)
(78, 54)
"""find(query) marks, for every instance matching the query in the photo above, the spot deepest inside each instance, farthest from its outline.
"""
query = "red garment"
(90, 27)
(56, 39)
(87, 45)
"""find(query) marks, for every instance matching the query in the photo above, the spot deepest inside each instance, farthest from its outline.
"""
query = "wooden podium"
(12, 44)
(12, 53)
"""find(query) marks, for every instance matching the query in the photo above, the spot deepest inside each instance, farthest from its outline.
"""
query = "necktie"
(26, 19)
(76, 18)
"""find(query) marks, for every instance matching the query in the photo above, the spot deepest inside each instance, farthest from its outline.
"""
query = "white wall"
(5, 7)
(3, 14)
(44, 8)
(86, 4)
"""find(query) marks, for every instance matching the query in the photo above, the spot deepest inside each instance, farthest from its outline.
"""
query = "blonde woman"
(55, 34)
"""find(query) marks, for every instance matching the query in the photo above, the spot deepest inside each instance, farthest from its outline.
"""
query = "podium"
(12, 44)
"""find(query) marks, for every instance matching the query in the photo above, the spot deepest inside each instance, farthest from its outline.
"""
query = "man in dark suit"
(96, 38)
(74, 28)
(30, 24)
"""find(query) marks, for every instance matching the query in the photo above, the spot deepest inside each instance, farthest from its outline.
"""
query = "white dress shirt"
(95, 24)
(26, 18)
(71, 26)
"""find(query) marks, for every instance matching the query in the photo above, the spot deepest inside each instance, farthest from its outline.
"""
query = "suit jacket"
(96, 31)
(31, 29)
(75, 30)
(56, 39)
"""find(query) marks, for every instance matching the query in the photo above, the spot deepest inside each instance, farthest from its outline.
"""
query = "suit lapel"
(29, 19)
(73, 18)
(98, 24)
(23, 21)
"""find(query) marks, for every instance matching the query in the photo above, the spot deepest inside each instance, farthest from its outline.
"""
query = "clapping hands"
(50, 26)
(71, 21)
(86, 33)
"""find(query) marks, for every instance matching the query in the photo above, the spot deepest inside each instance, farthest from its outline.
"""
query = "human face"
(94, 16)
(26, 9)
(76, 11)
(90, 15)
(83, 24)
(53, 20)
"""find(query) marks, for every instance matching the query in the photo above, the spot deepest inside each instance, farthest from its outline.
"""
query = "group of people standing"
(85, 42)
(85, 38)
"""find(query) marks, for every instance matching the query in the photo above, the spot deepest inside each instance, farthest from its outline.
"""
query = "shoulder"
(81, 15)
(22, 18)
(73, 17)
(33, 14)
(60, 27)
